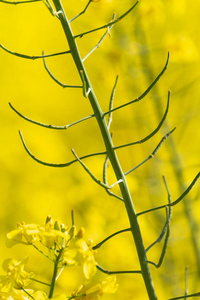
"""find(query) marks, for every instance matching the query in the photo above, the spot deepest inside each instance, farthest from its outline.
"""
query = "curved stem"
(108, 24)
(174, 202)
(146, 91)
(28, 56)
(109, 237)
(117, 272)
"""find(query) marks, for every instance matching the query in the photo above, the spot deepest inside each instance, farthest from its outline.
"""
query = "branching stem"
(55, 271)
(135, 229)
(109, 237)
(117, 272)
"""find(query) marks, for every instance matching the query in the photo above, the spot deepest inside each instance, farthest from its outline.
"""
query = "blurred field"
(136, 50)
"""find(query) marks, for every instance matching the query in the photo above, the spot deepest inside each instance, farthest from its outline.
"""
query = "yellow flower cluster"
(68, 247)
(16, 278)
(48, 234)
(56, 237)
(91, 290)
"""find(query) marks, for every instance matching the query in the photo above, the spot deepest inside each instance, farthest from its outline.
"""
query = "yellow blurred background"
(137, 51)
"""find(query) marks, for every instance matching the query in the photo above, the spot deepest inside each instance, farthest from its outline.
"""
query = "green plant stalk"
(55, 271)
(135, 228)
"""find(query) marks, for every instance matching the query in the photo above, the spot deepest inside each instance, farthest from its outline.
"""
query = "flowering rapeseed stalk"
(69, 248)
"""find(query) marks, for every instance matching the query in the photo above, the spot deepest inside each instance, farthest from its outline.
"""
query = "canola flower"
(79, 252)
(48, 234)
(68, 248)
(13, 283)
(91, 290)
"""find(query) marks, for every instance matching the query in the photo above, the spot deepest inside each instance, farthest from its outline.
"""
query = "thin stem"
(53, 281)
(19, 2)
(81, 13)
(49, 126)
(42, 252)
(117, 272)
(90, 173)
(152, 133)
(100, 42)
(109, 237)
(161, 234)
(62, 165)
(72, 215)
(27, 293)
(185, 297)
(166, 226)
(108, 24)
(146, 91)
(28, 56)
(56, 80)
(39, 123)
(38, 160)
(111, 102)
(152, 154)
(105, 166)
(78, 296)
(39, 281)
(86, 89)
(176, 201)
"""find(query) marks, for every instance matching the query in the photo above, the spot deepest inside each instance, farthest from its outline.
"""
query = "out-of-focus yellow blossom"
(23, 295)
(12, 284)
(53, 233)
(152, 12)
(60, 297)
(14, 295)
(25, 234)
(182, 48)
(39, 295)
(79, 253)
(48, 234)
(91, 290)
(16, 276)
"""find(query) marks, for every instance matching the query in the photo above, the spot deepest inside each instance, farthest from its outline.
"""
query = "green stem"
(135, 228)
(185, 297)
(117, 272)
(109, 237)
(55, 271)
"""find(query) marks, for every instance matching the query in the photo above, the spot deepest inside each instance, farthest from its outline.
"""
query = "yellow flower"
(49, 237)
(25, 234)
(39, 295)
(92, 290)
(14, 295)
(16, 277)
(78, 253)
(22, 295)
(49, 234)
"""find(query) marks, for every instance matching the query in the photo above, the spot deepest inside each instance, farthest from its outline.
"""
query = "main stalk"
(135, 229)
